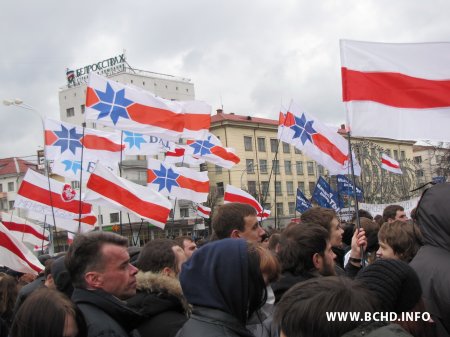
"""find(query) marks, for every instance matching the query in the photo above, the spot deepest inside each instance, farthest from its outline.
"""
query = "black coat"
(206, 322)
(106, 315)
(160, 300)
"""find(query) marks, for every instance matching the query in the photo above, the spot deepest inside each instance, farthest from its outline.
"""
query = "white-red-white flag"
(390, 164)
(70, 237)
(15, 255)
(203, 211)
(24, 230)
(317, 140)
(34, 194)
(397, 90)
(211, 150)
(177, 154)
(178, 182)
(106, 189)
(234, 194)
(127, 108)
(85, 224)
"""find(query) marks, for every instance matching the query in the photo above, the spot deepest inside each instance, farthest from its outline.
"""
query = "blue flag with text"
(301, 203)
(325, 196)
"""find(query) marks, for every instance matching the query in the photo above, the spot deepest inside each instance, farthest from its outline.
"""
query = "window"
(11, 186)
(301, 186)
(75, 184)
(279, 208)
(273, 145)
(312, 186)
(70, 112)
(402, 155)
(251, 187)
(263, 166)
(417, 160)
(286, 148)
(219, 189)
(419, 173)
(287, 167)
(267, 206)
(113, 217)
(83, 108)
(278, 188)
(290, 187)
(1, 188)
(218, 169)
(250, 166)
(321, 170)
(299, 167)
(310, 168)
(265, 188)
(184, 212)
(276, 166)
(248, 143)
(297, 151)
(395, 154)
(388, 152)
(291, 206)
(11, 204)
(261, 144)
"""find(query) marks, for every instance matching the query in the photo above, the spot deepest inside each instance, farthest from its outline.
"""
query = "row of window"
(10, 187)
(70, 112)
(288, 167)
(261, 145)
(3, 205)
(251, 187)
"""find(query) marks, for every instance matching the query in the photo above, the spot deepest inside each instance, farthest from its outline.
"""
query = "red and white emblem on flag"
(68, 193)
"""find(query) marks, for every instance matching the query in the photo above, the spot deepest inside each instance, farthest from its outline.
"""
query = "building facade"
(432, 162)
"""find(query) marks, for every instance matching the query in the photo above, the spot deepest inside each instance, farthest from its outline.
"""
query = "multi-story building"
(72, 98)
(432, 162)
(272, 170)
(12, 171)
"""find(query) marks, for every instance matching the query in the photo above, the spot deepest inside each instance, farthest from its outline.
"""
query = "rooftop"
(14, 165)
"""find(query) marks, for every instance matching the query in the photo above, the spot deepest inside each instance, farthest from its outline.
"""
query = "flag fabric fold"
(390, 89)
(301, 203)
(15, 255)
(106, 189)
(86, 224)
(211, 150)
(127, 108)
(24, 230)
(389, 164)
(34, 194)
(203, 211)
(234, 194)
(317, 141)
(177, 182)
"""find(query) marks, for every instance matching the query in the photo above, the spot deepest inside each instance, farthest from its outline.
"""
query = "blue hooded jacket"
(216, 276)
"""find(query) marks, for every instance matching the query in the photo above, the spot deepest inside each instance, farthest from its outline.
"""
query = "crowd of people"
(388, 276)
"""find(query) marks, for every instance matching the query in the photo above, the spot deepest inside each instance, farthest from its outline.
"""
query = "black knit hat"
(394, 283)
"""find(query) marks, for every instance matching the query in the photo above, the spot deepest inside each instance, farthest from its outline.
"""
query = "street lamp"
(21, 104)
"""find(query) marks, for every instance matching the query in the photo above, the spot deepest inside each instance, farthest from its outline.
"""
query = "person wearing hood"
(159, 296)
(224, 283)
(432, 261)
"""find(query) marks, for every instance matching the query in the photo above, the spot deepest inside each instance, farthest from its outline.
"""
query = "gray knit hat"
(394, 283)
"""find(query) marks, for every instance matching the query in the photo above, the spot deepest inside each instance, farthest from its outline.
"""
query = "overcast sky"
(250, 56)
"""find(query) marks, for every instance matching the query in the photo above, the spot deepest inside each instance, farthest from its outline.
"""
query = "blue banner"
(439, 180)
(325, 196)
(345, 186)
(301, 203)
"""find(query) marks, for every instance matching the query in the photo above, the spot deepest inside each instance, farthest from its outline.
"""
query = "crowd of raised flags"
(384, 98)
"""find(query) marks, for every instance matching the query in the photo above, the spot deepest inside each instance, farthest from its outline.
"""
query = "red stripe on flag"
(50, 137)
(224, 154)
(156, 117)
(197, 122)
(91, 97)
(44, 196)
(329, 148)
(88, 220)
(237, 198)
(24, 228)
(195, 185)
(10, 245)
(390, 164)
(395, 89)
(129, 200)
(100, 143)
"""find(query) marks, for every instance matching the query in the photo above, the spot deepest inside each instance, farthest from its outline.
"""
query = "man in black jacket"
(102, 276)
